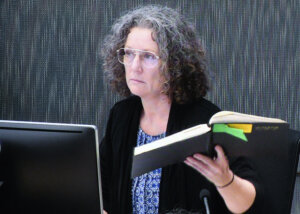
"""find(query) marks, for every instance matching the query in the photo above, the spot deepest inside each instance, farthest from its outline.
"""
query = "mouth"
(137, 81)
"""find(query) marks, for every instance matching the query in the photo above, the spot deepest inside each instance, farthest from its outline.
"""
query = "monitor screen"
(49, 168)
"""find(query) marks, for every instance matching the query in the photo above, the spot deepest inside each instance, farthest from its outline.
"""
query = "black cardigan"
(180, 185)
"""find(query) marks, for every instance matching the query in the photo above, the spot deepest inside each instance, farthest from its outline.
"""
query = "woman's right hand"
(104, 212)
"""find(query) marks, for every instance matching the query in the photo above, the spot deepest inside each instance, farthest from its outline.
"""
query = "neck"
(156, 107)
(155, 115)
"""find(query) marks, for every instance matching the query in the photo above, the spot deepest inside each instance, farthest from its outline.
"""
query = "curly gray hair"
(183, 58)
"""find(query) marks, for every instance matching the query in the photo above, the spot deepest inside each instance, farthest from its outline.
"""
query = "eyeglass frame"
(135, 52)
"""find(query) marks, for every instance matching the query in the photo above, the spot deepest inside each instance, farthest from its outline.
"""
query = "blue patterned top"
(145, 188)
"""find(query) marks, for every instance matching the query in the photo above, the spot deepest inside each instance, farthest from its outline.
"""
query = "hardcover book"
(237, 133)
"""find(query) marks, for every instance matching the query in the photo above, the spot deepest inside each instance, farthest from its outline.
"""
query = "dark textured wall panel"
(50, 68)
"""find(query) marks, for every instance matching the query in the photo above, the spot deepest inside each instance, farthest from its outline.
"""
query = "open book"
(233, 131)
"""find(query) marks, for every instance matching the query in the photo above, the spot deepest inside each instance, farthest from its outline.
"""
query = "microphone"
(204, 195)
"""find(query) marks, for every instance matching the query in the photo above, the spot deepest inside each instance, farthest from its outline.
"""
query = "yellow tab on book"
(247, 128)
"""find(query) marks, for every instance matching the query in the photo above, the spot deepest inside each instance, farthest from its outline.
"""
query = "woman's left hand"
(216, 170)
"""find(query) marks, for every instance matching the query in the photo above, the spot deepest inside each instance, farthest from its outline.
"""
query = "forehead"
(141, 38)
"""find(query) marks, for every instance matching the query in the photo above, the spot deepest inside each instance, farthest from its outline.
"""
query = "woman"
(155, 59)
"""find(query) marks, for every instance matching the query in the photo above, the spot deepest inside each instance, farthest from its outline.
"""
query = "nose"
(136, 63)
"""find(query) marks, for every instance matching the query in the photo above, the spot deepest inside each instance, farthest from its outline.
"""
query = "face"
(143, 81)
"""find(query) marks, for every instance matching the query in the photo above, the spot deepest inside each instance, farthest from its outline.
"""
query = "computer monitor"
(49, 168)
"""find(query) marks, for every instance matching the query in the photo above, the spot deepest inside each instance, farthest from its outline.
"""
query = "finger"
(200, 167)
(197, 165)
(211, 165)
(203, 158)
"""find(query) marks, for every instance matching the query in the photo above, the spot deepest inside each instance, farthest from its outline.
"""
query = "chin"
(138, 91)
(142, 93)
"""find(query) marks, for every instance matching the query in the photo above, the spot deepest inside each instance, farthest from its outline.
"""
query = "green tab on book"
(239, 133)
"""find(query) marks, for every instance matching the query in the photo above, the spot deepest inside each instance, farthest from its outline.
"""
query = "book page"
(235, 117)
(179, 136)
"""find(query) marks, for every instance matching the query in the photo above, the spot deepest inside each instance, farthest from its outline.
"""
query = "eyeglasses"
(127, 55)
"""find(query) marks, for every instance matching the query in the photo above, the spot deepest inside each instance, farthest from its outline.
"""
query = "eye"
(129, 53)
(149, 56)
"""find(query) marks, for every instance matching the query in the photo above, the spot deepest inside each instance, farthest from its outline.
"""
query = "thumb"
(220, 152)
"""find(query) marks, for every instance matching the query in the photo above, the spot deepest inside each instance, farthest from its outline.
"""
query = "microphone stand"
(204, 195)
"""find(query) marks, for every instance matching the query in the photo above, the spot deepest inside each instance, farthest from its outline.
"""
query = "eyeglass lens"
(126, 56)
